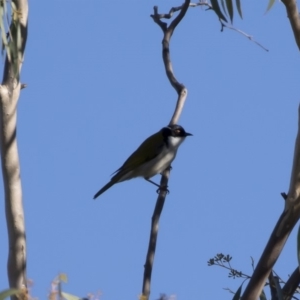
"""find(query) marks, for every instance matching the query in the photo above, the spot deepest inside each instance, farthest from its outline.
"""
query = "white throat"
(174, 142)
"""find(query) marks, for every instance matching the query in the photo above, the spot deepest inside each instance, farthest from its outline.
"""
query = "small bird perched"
(152, 157)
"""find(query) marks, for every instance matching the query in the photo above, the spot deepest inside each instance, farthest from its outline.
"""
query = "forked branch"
(182, 93)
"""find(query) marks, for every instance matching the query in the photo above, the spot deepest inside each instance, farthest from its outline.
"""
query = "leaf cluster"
(275, 283)
(226, 9)
(11, 37)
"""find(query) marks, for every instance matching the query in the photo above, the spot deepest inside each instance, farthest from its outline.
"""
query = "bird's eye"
(178, 131)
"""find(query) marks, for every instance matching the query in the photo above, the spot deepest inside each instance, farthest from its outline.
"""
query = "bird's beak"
(186, 134)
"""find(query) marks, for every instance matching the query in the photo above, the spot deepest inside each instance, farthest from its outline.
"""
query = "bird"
(152, 157)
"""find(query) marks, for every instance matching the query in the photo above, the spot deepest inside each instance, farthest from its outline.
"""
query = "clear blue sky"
(96, 89)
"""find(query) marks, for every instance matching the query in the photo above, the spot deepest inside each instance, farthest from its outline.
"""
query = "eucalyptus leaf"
(270, 4)
(230, 9)
(278, 288)
(4, 6)
(10, 292)
(5, 44)
(262, 296)
(217, 10)
(224, 7)
(13, 5)
(239, 7)
(238, 293)
(70, 297)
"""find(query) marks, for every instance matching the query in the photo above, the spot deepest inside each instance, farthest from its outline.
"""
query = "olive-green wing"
(148, 150)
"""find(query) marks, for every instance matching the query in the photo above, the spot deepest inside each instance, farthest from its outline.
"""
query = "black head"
(175, 131)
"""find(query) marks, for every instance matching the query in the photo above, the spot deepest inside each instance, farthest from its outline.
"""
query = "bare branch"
(156, 18)
(153, 234)
(291, 285)
(182, 93)
(169, 15)
(243, 33)
(168, 31)
(293, 15)
(9, 95)
(178, 19)
(282, 230)
(179, 105)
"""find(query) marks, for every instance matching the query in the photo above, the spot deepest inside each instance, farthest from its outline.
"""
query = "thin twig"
(221, 261)
(157, 18)
(243, 33)
(229, 290)
(252, 262)
(227, 25)
(290, 287)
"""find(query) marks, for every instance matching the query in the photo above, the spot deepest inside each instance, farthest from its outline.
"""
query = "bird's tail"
(106, 187)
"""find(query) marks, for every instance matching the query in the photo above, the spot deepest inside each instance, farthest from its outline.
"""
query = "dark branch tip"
(284, 195)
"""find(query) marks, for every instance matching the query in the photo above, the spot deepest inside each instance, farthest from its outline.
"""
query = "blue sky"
(96, 89)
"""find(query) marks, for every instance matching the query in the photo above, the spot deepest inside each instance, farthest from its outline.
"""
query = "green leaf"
(238, 293)
(270, 4)
(223, 7)
(239, 8)
(69, 296)
(262, 296)
(217, 10)
(10, 292)
(230, 9)
(4, 6)
(278, 288)
(3, 33)
(13, 5)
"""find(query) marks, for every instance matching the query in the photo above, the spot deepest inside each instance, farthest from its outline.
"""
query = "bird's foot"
(160, 188)
(163, 189)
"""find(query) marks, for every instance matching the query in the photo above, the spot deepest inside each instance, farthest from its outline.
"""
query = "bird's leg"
(160, 188)
(153, 182)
